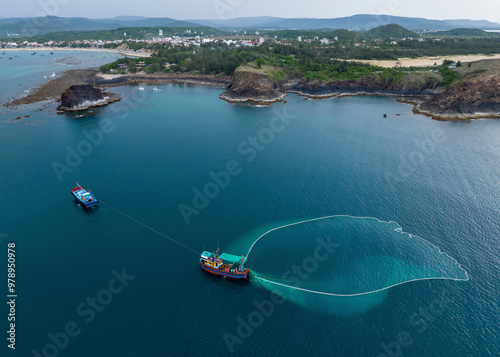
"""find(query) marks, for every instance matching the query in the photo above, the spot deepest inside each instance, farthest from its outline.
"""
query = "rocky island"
(83, 97)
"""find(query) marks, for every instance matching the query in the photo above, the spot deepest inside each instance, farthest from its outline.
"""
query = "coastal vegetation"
(305, 61)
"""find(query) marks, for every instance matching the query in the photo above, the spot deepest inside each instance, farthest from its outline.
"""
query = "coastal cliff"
(82, 97)
(367, 85)
(249, 85)
(477, 97)
(475, 94)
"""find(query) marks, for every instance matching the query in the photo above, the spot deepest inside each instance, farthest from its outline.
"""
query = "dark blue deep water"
(146, 156)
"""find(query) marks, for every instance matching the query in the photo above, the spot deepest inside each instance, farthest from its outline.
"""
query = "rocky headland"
(477, 97)
(475, 94)
(252, 86)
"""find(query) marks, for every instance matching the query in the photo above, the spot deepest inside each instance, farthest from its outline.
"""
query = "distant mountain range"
(353, 23)
(29, 26)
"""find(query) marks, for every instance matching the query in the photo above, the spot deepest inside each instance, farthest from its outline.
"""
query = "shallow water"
(25, 71)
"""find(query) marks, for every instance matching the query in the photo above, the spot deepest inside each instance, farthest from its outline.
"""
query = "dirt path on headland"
(426, 61)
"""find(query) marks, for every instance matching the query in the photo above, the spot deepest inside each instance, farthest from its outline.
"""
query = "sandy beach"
(426, 61)
(121, 52)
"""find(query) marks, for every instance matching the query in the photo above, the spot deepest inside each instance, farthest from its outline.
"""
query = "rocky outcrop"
(84, 96)
(474, 98)
(368, 85)
(252, 86)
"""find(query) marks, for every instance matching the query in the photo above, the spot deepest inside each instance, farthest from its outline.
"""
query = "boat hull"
(85, 204)
(223, 273)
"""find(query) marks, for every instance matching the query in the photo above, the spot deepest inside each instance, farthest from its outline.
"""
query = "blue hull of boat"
(83, 203)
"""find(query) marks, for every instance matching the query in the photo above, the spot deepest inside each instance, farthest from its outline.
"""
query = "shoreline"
(111, 50)
(52, 90)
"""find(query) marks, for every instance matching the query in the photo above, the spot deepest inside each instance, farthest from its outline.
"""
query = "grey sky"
(215, 9)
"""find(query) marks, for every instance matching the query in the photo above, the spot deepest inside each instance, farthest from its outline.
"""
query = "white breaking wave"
(89, 103)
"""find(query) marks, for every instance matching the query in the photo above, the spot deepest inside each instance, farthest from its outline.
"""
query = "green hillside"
(387, 32)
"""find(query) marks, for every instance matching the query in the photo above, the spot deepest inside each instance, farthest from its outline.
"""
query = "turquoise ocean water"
(148, 155)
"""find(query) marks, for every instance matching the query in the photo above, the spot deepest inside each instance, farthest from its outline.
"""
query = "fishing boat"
(228, 265)
(84, 197)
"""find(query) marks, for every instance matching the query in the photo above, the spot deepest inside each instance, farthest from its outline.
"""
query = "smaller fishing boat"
(156, 89)
(11, 57)
(84, 197)
(51, 53)
(141, 88)
(33, 53)
(227, 265)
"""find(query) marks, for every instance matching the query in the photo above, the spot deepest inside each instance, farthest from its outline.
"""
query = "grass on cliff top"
(274, 73)
(491, 67)
(346, 71)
